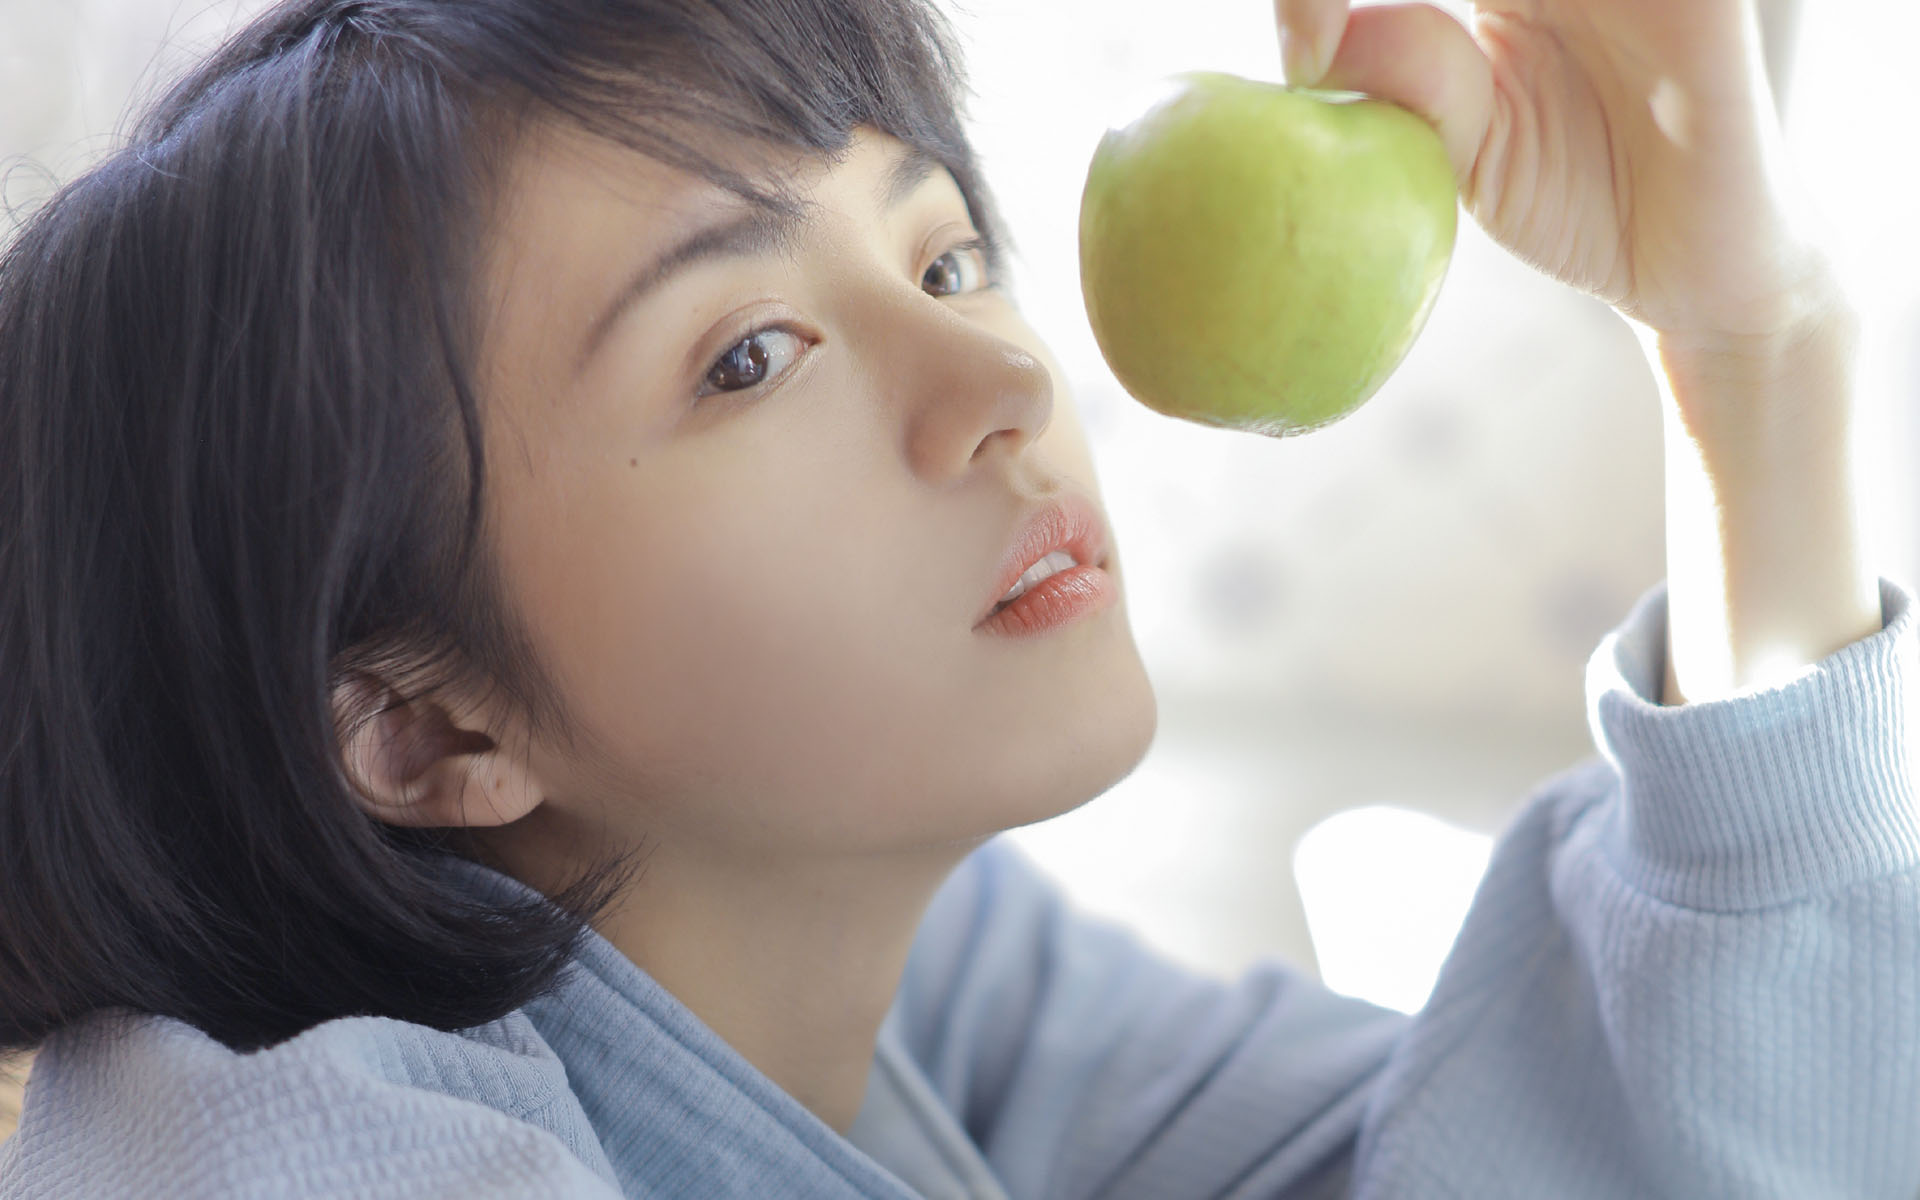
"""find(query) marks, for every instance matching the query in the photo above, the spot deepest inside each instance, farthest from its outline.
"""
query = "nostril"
(992, 438)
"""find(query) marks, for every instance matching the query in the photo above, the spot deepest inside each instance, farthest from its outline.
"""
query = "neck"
(793, 962)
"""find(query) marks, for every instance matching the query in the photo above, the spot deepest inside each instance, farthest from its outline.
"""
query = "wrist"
(1774, 394)
(1766, 564)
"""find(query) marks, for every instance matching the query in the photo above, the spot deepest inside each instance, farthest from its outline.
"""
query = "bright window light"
(1385, 890)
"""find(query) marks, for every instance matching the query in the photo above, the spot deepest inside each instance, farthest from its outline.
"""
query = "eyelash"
(985, 256)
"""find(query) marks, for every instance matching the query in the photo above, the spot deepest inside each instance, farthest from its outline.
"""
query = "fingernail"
(1298, 59)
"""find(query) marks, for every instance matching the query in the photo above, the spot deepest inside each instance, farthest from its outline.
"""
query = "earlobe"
(414, 762)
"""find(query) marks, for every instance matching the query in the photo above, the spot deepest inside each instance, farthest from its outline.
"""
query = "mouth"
(1066, 532)
(1054, 562)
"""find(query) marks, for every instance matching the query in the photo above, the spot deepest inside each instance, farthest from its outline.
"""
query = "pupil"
(942, 270)
(739, 370)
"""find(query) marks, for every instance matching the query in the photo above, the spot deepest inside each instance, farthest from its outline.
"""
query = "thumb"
(1422, 59)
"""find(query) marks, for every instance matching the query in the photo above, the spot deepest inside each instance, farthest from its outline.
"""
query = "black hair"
(240, 455)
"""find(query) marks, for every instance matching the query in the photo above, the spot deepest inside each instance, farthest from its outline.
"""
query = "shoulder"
(131, 1104)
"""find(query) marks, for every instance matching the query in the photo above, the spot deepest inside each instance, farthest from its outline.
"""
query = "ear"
(421, 762)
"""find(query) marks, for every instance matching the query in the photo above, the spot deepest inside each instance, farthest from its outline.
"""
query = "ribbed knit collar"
(676, 1109)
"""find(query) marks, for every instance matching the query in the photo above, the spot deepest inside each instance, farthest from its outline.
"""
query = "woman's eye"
(754, 359)
(961, 269)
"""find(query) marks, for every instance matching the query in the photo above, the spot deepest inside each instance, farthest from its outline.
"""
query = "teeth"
(1059, 560)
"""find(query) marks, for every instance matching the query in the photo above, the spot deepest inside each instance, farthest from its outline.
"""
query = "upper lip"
(1066, 521)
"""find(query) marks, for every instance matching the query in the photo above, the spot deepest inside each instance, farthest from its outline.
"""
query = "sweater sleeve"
(1689, 971)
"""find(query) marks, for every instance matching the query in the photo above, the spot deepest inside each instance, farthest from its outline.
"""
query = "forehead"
(568, 171)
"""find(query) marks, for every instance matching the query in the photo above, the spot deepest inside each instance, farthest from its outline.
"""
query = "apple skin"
(1259, 257)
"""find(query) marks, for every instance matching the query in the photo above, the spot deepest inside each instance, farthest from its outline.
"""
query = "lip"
(1067, 521)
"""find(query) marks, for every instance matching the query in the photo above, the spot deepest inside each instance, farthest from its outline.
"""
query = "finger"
(1419, 57)
(1309, 32)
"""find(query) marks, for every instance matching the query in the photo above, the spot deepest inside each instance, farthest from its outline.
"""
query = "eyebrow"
(906, 175)
(762, 231)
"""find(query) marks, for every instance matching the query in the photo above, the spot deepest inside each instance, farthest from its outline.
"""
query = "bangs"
(677, 80)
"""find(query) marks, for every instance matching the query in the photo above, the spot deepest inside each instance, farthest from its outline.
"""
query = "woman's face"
(753, 563)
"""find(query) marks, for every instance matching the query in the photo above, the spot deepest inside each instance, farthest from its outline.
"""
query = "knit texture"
(1691, 970)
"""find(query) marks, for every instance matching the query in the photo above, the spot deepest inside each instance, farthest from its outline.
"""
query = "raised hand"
(1626, 147)
(1630, 149)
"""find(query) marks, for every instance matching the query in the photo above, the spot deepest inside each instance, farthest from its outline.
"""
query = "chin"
(1079, 760)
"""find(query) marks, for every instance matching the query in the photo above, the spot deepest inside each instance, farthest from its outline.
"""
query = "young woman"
(506, 508)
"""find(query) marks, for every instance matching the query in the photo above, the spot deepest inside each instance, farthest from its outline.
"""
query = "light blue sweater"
(1692, 970)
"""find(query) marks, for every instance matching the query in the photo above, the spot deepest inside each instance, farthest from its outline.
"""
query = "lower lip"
(1060, 599)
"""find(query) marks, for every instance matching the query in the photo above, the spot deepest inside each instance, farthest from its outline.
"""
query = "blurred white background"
(1386, 622)
(1377, 634)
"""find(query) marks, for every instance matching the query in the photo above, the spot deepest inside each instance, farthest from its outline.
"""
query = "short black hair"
(240, 454)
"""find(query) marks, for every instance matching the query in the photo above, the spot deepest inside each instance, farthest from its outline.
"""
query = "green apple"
(1260, 257)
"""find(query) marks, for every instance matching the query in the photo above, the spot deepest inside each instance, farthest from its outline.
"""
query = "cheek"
(1064, 442)
(729, 622)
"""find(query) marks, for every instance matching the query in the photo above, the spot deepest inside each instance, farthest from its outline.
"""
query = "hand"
(1626, 147)
(1630, 148)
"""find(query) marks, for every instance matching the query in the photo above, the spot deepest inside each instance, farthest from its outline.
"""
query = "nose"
(969, 393)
